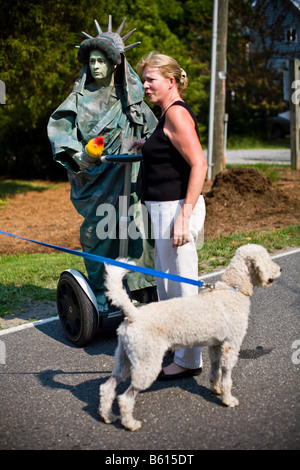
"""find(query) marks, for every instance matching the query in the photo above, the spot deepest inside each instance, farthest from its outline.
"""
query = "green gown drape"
(119, 114)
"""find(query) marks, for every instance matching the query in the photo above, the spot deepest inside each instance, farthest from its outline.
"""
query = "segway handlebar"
(124, 158)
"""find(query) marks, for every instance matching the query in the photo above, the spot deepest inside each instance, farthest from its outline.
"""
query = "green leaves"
(38, 62)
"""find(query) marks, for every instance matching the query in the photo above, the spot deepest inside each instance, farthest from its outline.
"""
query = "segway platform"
(76, 302)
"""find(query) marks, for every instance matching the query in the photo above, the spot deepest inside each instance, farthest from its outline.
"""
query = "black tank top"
(165, 172)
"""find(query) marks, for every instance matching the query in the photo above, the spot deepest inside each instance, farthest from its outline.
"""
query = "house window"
(291, 35)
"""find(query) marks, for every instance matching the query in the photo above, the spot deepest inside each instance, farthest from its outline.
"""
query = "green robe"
(120, 115)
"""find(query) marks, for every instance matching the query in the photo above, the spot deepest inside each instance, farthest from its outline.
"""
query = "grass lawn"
(34, 277)
(218, 252)
(237, 142)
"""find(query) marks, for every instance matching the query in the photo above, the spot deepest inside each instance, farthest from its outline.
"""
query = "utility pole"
(220, 89)
(215, 149)
(212, 91)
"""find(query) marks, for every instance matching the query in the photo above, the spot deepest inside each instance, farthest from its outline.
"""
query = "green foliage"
(257, 87)
(38, 63)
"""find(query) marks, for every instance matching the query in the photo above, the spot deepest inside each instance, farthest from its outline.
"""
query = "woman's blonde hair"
(168, 67)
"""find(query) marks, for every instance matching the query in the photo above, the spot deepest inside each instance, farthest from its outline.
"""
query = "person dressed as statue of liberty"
(107, 100)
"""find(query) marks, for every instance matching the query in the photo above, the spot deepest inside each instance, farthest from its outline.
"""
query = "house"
(278, 31)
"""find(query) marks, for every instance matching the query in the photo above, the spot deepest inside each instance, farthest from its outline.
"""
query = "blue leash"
(113, 262)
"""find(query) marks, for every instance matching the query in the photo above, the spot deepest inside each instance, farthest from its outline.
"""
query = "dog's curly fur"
(217, 318)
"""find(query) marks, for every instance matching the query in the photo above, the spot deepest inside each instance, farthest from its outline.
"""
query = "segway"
(76, 302)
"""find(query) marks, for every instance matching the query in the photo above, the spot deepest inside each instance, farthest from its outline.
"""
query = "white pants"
(182, 260)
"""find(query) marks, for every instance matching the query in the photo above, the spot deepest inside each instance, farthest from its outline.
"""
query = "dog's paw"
(230, 401)
(216, 389)
(109, 418)
(132, 424)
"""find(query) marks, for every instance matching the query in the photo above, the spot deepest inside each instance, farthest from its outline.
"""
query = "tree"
(38, 63)
(256, 87)
(39, 66)
(37, 56)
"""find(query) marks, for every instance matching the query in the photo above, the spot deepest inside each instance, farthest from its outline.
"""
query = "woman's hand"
(137, 145)
(181, 227)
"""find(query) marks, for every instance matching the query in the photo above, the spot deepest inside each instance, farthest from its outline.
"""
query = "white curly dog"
(217, 318)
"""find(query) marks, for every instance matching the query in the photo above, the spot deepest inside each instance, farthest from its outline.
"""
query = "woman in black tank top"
(166, 173)
(174, 171)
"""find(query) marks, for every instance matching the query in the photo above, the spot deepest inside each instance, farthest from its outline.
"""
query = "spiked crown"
(112, 44)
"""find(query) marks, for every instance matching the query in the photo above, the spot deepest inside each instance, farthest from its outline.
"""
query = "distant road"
(258, 156)
(252, 156)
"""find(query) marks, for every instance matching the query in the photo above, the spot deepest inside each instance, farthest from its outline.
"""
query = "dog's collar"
(207, 286)
(211, 287)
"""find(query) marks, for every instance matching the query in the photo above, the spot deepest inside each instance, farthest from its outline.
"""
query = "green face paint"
(101, 68)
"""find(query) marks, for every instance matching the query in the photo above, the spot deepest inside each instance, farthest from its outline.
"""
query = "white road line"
(286, 253)
(24, 326)
(47, 320)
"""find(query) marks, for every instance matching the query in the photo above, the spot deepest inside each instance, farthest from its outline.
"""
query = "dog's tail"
(116, 291)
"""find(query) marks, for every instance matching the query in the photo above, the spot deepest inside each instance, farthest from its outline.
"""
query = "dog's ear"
(256, 269)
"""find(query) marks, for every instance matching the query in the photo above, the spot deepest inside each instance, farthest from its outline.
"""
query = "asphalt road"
(252, 156)
(50, 389)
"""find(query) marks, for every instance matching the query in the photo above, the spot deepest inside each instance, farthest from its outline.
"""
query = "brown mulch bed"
(239, 200)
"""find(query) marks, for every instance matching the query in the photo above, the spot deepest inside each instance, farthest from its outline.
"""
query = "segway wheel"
(77, 313)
